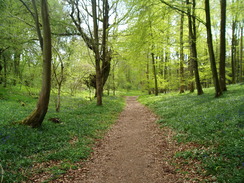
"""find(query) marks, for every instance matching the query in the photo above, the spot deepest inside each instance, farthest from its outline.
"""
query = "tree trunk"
(100, 49)
(1, 66)
(16, 66)
(99, 85)
(148, 77)
(4, 71)
(233, 52)
(182, 84)
(218, 91)
(36, 118)
(59, 80)
(106, 56)
(154, 74)
(222, 57)
(58, 103)
(113, 78)
(241, 55)
(193, 47)
(37, 24)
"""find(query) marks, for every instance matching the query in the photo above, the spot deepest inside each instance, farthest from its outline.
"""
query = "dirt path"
(135, 150)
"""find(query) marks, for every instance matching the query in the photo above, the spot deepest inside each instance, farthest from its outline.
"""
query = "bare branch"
(182, 11)
(27, 7)
(88, 40)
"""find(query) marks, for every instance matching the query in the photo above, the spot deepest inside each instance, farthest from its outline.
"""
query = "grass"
(215, 123)
(68, 142)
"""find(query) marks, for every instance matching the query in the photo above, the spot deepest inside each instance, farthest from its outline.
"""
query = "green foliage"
(216, 124)
(70, 141)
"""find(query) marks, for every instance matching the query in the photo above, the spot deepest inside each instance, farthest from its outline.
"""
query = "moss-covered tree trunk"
(36, 118)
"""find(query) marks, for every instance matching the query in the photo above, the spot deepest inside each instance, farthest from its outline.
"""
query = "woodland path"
(135, 150)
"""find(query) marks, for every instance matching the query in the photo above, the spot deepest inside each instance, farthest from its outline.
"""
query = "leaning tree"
(36, 118)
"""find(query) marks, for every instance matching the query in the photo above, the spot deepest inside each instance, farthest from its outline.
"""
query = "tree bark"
(154, 74)
(182, 84)
(241, 56)
(1, 66)
(233, 52)
(36, 19)
(218, 91)
(16, 66)
(193, 46)
(148, 78)
(4, 71)
(99, 87)
(222, 46)
(106, 54)
(36, 118)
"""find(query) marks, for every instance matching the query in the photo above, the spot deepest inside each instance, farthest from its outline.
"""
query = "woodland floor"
(135, 150)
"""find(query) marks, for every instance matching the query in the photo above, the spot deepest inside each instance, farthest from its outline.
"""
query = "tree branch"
(182, 11)
(88, 40)
(32, 14)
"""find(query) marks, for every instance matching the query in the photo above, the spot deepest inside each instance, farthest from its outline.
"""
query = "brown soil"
(135, 150)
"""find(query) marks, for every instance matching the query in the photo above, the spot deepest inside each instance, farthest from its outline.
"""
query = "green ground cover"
(69, 142)
(215, 123)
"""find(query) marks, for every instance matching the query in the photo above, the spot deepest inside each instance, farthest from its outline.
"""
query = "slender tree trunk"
(193, 47)
(222, 46)
(233, 52)
(59, 88)
(182, 82)
(1, 66)
(4, 71)
(218, 91)
(241, 56)
(197, 75)
(36, 118)
(36, 19)
(191, 70)
(166, 70)
(16, 66)
(154, 74)
(113, 78)
(58, 103)
(148, 78)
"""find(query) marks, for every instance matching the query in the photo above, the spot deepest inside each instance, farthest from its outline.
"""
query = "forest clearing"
(121, 91)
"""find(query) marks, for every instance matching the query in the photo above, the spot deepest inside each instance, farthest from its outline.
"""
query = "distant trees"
(172, 57)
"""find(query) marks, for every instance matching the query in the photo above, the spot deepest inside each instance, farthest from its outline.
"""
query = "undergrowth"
(70, 141)
(215, 123)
